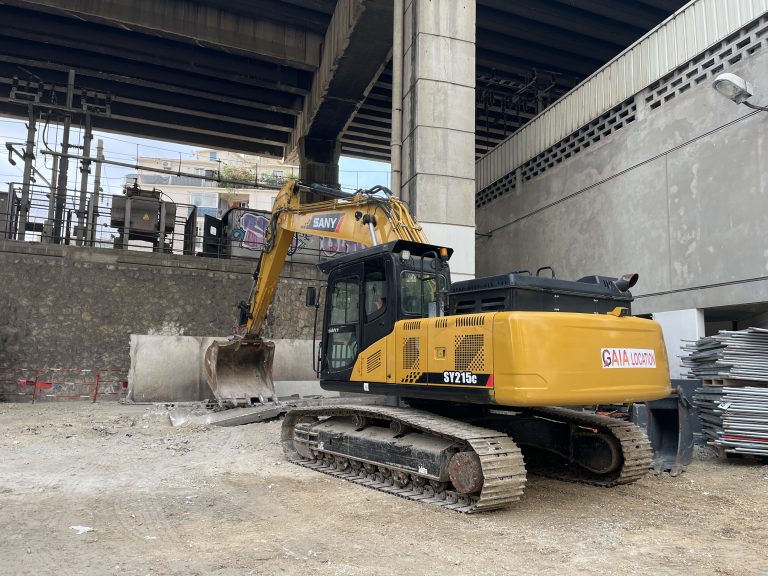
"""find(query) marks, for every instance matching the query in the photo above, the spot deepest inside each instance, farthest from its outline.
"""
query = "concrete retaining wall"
(171, 368)
(69, 307)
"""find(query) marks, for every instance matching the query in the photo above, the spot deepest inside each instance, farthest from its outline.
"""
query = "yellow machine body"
(524, 358)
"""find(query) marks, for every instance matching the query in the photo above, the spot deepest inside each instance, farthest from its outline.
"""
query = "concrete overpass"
(238, 74)
(310, 80)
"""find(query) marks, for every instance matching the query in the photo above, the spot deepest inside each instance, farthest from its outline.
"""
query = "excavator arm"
(366, 217)
(239, 371)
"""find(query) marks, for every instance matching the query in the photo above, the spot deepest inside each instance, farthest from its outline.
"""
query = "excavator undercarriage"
(411, 453)
(468, 465)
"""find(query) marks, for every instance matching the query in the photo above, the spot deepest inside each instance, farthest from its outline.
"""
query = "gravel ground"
(223, 501)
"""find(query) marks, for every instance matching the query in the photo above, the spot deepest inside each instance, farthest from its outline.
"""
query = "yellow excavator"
(476, 373)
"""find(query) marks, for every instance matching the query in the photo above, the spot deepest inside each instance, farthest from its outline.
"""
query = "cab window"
(418, 290)
(375, 289)
(345, 301)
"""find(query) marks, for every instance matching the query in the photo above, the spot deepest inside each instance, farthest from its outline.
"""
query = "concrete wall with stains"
(69, 307)
(680, 195)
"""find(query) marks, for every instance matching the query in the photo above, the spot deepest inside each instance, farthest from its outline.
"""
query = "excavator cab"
(370, 290)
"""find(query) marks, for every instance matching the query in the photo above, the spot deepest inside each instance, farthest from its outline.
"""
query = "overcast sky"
(354, 173)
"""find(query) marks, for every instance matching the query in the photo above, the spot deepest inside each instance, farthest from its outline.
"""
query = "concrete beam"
(563, 17)
(355, 51)
(120, 49)
(196, 23)
(319, 160)
(178, 85)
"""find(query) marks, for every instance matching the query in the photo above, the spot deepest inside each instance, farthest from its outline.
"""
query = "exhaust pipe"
(626, 282)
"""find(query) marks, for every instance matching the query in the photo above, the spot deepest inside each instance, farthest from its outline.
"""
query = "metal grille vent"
(700, 69)
(470, 353)
(708, 64)
(473, 320)
(441, 323)
(412, 325)
(601, 127)
(374, 361)
(411, 353)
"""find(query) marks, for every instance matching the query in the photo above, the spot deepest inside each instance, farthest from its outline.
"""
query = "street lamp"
(737, 89)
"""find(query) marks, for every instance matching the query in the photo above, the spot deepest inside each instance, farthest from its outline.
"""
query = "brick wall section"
(70, 307)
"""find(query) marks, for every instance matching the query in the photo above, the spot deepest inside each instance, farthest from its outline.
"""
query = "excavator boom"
(239, 370)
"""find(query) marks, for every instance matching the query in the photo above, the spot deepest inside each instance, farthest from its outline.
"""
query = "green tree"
(237, 176)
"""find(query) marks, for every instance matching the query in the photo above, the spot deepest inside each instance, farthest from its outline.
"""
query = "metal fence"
(121, 222)
(94, 226)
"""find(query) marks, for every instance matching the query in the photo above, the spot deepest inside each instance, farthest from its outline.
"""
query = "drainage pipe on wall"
(397, 98)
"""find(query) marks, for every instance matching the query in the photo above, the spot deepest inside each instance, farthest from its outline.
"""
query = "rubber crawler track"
(500, 458)
(635, 448)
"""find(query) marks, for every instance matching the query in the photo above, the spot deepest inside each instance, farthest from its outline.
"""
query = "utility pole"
(93, 205)
(85, 170)
(61, 191)
(48, 227)
(29, 158)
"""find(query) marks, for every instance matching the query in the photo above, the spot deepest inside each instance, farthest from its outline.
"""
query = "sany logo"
(329, 223)
(627, 358)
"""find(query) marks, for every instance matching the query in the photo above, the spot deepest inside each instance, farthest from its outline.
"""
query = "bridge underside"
(235, 74)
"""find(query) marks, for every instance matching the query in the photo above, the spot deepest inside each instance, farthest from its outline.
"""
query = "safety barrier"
(19, 384)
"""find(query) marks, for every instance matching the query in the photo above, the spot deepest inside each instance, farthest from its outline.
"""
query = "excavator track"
(635, 449)
(503, 469)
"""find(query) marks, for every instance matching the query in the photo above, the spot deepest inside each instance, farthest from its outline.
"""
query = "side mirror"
(311, 296)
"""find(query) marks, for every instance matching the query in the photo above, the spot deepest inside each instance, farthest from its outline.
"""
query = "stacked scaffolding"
(733, 403)
(741, 355)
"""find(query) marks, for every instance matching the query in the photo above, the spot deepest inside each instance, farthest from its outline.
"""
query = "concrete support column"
(438, 154)
(319, 160)
(679, 326)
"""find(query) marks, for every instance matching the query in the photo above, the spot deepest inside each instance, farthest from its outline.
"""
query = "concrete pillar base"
(319, 160)
(462, 240)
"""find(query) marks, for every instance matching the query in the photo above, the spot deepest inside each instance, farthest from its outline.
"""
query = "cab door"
(341, 340)
(379, 300)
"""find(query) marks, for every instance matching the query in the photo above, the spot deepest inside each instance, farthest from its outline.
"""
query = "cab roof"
(396, 247)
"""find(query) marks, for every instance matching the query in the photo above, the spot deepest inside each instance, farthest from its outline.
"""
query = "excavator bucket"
(239, 372)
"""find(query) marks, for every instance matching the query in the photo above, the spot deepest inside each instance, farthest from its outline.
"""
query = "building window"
(200, 171)
(204, 199)
(213, 156)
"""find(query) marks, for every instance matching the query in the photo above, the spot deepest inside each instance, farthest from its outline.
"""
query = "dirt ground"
(223, 501)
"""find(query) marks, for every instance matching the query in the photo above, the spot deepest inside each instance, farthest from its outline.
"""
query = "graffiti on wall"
(249, 229)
